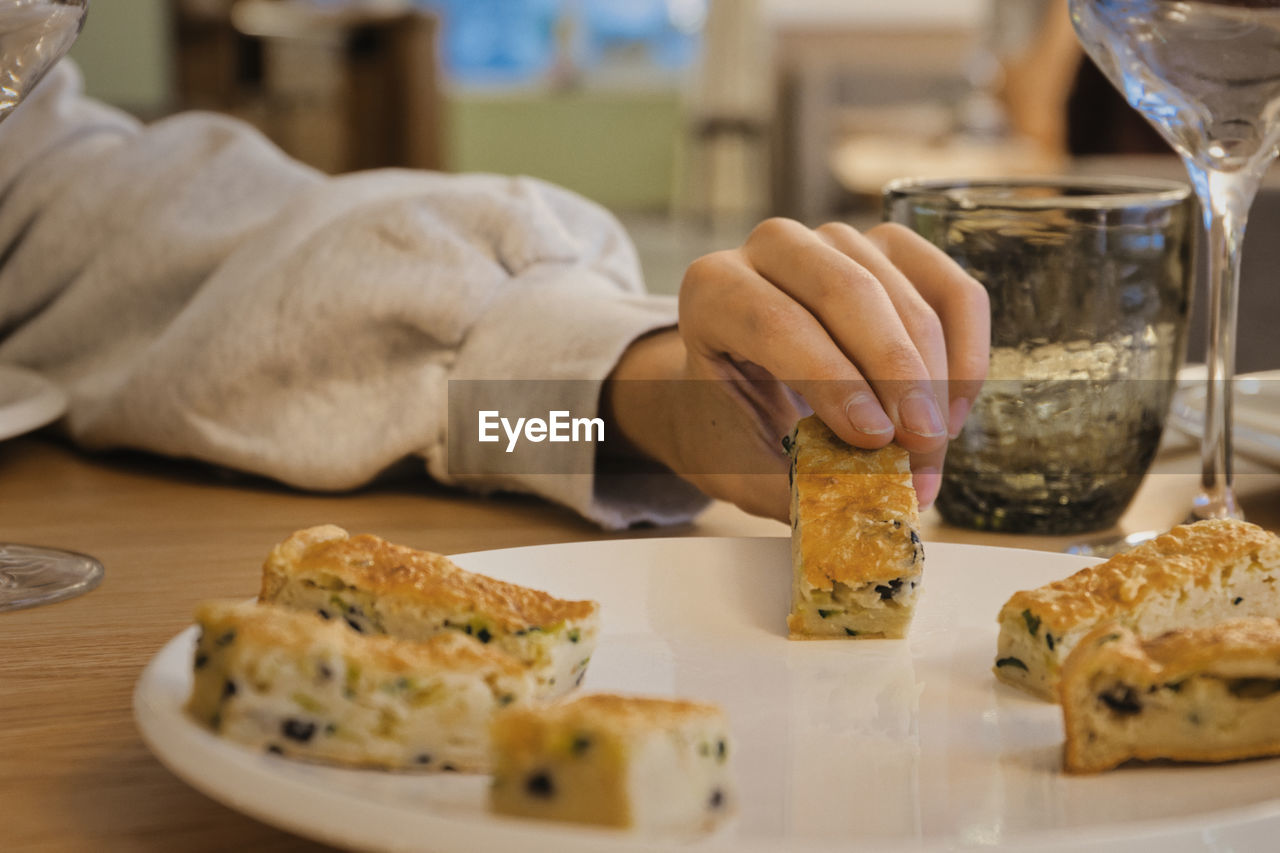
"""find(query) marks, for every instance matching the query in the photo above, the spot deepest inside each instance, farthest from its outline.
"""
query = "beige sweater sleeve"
(200, 295)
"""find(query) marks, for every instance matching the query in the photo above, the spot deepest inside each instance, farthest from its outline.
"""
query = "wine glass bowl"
(34, 35)
(1206, 75)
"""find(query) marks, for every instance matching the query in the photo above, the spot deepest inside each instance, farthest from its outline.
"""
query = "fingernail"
(927, 482)
(959, 411)
(866, 415)
(919, 413)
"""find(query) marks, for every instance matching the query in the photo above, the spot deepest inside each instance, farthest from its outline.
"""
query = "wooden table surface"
(74, 773)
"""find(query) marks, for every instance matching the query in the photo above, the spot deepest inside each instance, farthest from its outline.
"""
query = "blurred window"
(535, 41)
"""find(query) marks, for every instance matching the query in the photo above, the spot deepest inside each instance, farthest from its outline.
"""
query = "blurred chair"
(339, 85)
(846, 70)
(216, 68)
(729, 114)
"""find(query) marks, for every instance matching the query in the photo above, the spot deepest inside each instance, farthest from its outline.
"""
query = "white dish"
(870, 745)
(1256, 431)
(27, 401)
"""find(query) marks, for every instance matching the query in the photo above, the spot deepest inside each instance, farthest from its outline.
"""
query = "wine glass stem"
(1225, 198)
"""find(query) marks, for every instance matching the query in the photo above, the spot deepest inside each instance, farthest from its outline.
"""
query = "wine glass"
(34, 34)
(1206, 74)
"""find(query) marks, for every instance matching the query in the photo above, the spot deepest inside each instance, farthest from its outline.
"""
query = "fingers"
(868, 328)
(880, 324)
(961, 304)
(728, 309)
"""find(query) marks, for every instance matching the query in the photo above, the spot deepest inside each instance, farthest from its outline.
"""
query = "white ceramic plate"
(1256, 417)
(849, 745)
(27, 401)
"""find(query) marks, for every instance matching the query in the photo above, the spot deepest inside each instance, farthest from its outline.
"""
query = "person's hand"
(881, 334)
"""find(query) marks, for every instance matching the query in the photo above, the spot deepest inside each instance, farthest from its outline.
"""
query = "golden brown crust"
(836, 484)
(1247, 648)
(614, 712)
(1176, 654)
(1185, 556)
(273, 626)
(371, 563)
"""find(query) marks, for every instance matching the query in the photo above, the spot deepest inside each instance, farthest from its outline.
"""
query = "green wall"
(616, 147)
(124, 53)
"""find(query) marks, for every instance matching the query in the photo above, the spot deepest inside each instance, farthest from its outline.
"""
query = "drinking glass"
(1206, 74)
(34, 34)
(1089, 282)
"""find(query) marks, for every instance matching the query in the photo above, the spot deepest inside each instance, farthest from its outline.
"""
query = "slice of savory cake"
(656, 765)
(289, 682)
(1193, 576)
(376, 587)
(855, 551)
(1201, 694)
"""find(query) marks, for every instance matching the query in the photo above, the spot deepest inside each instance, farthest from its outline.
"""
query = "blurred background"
(690, 119)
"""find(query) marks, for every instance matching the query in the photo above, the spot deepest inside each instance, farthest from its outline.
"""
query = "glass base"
(1032, 504)
(31, 576)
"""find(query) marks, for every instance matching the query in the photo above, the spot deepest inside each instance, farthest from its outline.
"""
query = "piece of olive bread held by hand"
(289, 682)
(649, 764)
(857, 558)
(1198, 694)
(376, 587)
(1195, 575)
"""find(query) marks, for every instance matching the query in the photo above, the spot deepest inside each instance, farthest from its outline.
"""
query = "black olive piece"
(581, 743)
(889, 590)
(717, 799)
(1122, 700)
(448, 768)
(915, 540)
(575, 635)
(1011, 661)
(422, 758)
(897, 524)
(274, 750)
(324, 614)
(299, 730)
(1048, 638)
(201, 660)
(722, 749)
(483, 635)
(355, 626)
(540, 785)
(228, 689)
(1239, 599)
(786, 444)
(850, 632)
